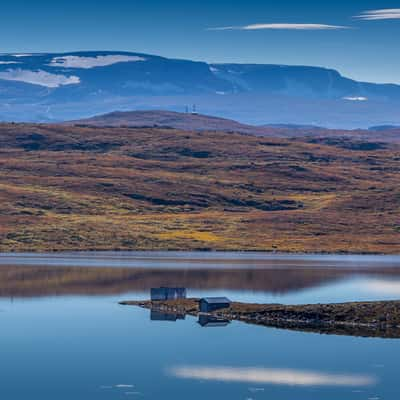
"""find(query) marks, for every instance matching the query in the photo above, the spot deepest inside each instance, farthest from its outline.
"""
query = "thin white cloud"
(376, 15)
(41, 78)
(9, 62)
(298, 27)
(288, 377)
(92, 62)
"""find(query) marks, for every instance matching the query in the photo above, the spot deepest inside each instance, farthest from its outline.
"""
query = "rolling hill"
(169, 119)
(200, 122)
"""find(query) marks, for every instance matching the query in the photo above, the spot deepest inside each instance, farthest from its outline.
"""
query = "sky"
(360, 38)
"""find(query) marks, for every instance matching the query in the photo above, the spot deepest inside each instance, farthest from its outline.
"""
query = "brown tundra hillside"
(87, 188)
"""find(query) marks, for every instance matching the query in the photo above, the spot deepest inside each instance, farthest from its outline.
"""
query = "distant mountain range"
(384, 128)
(54, 87)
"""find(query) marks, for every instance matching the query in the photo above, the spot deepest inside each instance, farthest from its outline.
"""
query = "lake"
(64, 336)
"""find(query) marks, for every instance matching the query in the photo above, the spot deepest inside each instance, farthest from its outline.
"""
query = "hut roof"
(215, 300)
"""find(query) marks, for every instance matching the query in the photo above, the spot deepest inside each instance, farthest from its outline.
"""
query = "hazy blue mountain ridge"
(46, 87)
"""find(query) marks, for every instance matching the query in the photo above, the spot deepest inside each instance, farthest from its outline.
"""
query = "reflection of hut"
(161, 316)
(208, 321)
(167, 293)
(209, 304)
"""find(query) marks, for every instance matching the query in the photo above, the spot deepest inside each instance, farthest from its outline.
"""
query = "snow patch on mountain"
(22, 55)
(92, 62)
(41, 78)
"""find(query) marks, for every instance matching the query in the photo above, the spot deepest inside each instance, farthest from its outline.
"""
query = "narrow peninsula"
(367, 319)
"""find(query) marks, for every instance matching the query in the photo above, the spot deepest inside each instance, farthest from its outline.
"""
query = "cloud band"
(376, 15)
(297, 27)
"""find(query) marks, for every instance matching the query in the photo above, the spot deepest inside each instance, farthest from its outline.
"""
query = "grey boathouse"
(209, 304)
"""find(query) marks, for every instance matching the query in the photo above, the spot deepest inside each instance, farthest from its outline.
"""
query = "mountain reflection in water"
(35, 281)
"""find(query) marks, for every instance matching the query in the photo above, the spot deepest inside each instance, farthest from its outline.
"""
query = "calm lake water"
(63, 335)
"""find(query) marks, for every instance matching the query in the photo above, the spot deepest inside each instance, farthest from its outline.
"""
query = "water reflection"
(109, 352)
(156, 315)
(290, 377)
(390, 287)
(34, 281)
(207, 321)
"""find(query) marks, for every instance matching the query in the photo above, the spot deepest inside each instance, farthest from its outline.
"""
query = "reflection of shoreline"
(35, 281)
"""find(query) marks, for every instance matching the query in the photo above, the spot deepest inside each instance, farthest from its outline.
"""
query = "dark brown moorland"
(87, 188)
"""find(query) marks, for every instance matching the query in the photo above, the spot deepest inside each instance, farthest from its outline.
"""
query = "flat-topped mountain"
(66, 86)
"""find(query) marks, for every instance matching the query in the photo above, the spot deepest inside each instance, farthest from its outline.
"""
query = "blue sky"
(368, 50)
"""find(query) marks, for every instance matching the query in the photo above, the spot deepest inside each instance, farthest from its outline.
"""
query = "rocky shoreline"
(367, 319)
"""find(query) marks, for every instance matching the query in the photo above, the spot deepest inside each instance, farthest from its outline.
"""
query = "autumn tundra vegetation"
(103, 188)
